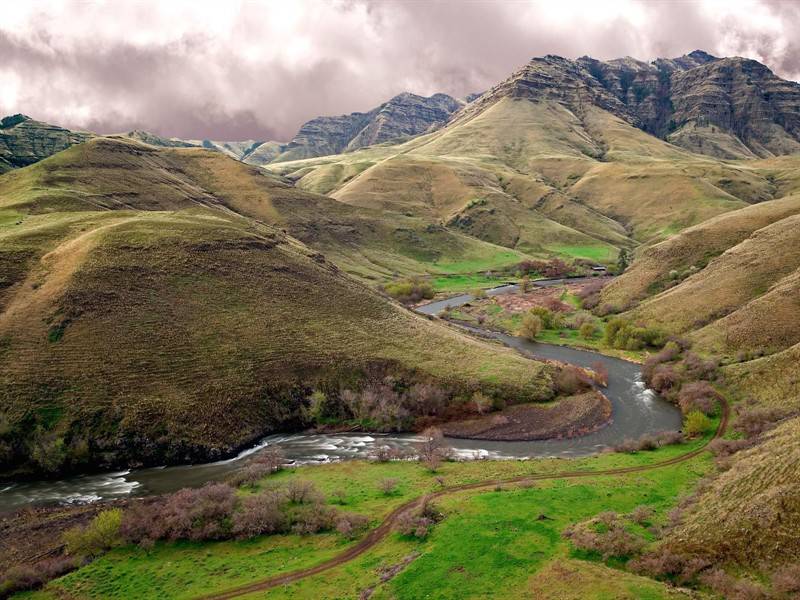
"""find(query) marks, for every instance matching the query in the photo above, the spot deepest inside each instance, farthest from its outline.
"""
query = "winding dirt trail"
(375, 536)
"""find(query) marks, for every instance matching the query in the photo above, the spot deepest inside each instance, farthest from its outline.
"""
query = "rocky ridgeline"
(404, 115)
(723, 107)
(24, 141)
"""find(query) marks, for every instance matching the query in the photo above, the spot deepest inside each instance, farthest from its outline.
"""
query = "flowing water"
(636, 411)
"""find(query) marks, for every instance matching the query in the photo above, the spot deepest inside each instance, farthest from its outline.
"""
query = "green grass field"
(484, 533)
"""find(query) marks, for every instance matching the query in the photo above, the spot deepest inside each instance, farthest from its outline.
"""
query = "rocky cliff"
(24, 141)
(403, 116)
(723, 107)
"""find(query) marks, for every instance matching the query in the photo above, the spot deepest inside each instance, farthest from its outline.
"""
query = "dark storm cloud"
(258, 70)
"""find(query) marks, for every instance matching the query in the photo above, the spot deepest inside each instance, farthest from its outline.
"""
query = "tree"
(623, 260)
(587, 331)
(531, 326)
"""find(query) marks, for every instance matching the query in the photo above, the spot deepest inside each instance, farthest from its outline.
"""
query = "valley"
(540, 341)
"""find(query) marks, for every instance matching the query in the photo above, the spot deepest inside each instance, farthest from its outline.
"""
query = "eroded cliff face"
(723, 107)
(24, 141)
(402, 116)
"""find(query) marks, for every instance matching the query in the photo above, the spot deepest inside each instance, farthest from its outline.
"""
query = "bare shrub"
(313, 518)
(698, 395)
(641, 515)
(264, 463)
(427, 399)
(670, 438)
(755, 421)
(731, 588)
(351, 525)
(261, 514)
(191, 514)
(418, 522)
(388, 486)
(381, 454)
(600, 373)
(409, 290)
(613, 542)
(339, 496)
(696, 368)
(300, 491)
(21, 578)
(665, 379)
(571, 380)
(481, 402)
(725, 448)
(433, 450)
(787, 580)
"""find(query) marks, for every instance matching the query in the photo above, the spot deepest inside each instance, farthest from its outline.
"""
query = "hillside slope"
(143, 319)
(750, 514)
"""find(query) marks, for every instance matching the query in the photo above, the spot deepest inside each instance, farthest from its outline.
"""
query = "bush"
(755, 421)
(261, 514)
(201, 514)
(100, 535)
(418, 523)
(478, 293)
(787, 580)
(299, 491)
(600, 373)
(698, 395)
(351, 525)
(587, 330)
(22, 578)
(612, 542)
(481, 402)
(571, 380)
(409, 291)
(650, 442)
(531, 327)
(314, 518)
(433, 450)
(388, 486)
(697, 423)
(264, 463)
(624, 335)
(641, 515)
(548, 318)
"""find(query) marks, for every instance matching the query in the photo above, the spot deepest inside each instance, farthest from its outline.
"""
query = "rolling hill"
(149, 314)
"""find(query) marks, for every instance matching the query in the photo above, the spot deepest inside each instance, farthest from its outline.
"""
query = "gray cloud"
(258, 70)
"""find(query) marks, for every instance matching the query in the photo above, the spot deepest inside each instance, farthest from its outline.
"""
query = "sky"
(258, 70)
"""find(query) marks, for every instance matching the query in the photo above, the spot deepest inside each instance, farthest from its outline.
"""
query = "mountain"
(563, 158)
(403, 116)
(24, 141)
(229, 324)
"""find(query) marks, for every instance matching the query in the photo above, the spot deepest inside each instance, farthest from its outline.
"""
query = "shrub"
(339, 496)
(531, 326)
(548, 318)
(613, 542)
(481, 402)
(100, 535)
(433, 450)
(698, 395)
(650, 442)
(571, 380)
(201, 514)
(641, 515)
(314, 518)
(624, 335)
(300, 491)
(665, 379)
(261, 514)
(427, 399)
(410, 290)
(697, 368)
(787, 580)
(697, 423)
(22, 578)
(600, 373)
(388, 486)
(755, 421)
(418, 522)
(587, 331)
(478, 293)
(731, 588)
(351, 525)
(725, 448)
(264, 463)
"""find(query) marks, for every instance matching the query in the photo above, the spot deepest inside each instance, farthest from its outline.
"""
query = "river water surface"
(635, 411)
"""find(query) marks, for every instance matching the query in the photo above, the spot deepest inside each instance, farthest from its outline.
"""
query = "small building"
(599, 269)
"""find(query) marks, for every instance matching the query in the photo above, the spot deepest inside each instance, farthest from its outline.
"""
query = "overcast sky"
(228, 70)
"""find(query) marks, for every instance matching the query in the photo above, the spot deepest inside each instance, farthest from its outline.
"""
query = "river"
(635, 411)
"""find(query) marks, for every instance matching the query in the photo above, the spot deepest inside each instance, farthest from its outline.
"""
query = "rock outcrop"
(723, 107)
(404, 115)
(24, 141)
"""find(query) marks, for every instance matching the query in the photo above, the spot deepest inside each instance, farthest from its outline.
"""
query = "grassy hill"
(146, 315)
(750, 514)
(535, 176)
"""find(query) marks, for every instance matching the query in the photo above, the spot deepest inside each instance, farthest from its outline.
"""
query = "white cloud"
(259, 69)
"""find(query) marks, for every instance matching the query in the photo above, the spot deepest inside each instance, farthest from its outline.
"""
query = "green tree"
(623, 260)
(531, 326)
